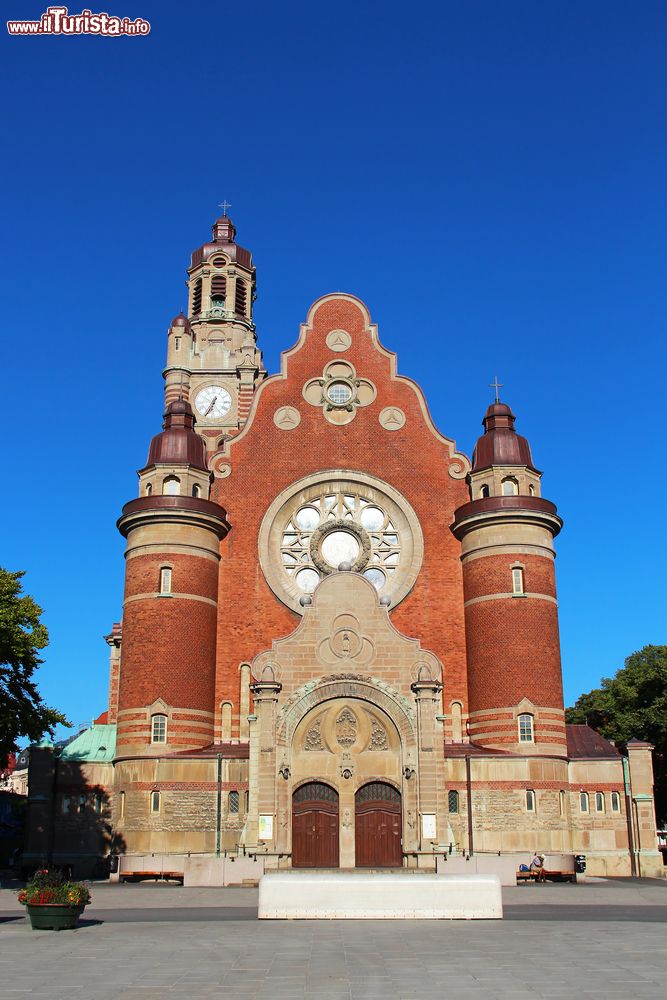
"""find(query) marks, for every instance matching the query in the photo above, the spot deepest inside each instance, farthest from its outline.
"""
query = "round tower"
(511, 613)
(173, 531)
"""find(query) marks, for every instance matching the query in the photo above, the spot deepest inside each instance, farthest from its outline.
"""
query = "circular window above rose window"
(335, 518)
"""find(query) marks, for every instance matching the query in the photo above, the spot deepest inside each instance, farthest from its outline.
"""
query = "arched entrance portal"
(377, 808)
(315, 826)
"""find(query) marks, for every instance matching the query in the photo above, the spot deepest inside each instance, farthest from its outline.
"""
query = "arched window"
(530, 800)
(226, 721)
(165, 579)
(121, 805)
(171, 487)
(196, 490)
(526, 733)
(158, 729)
(615, 802)
(453, 801)
(218, 290)
(561, 803)
(583, 802)
(233, 802)
(599, 802)
(149, 489)
(457, 712)
(177, 343)
(484, 490)
(155, 802)
(531, 490)
(196, 298)
(517, 580)
(241, 297)
(510, 487)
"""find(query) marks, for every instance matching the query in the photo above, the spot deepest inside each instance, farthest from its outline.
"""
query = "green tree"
(633, 703)
(22, 636)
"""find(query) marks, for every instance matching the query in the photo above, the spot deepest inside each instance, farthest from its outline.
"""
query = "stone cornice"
(501, 510)
(175, 510)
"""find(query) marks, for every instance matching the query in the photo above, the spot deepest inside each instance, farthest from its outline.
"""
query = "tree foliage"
(22, 637)
(633, 703)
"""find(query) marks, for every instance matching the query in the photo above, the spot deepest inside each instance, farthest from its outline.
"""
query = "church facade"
(339, 644)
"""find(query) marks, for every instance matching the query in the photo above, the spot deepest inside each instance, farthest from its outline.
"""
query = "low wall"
(504, 865)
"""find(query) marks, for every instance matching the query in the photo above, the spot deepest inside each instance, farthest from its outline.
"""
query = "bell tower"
(212, 355)
(511, 612)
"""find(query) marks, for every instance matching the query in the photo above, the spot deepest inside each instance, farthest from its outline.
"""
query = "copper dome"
(179, 443)
(500, 444)
(180, 320)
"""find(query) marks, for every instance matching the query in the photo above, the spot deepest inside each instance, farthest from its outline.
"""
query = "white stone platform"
(359, 896)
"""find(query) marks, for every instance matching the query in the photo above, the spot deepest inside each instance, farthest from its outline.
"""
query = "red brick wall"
(493, 575)
(266, 460)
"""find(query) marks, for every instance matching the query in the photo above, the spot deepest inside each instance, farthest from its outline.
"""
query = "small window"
(453, 801)
(525, 728)
(583, 802)
(196, 298)
(155, 802)
(177, 343)
(599, 802)
(149, 489)
(531, 490)
(484, 491)
(510, 487)
(615, 802)
(241, 297)
(159, 729)
(121, 805)
(99, 802)
(247, 801)
(561, 803)
(530, 800)
(165, 580)
(196, 490)
(233, 802)
(171, 486)
(517, 580)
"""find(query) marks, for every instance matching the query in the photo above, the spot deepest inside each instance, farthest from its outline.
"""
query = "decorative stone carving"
(338, 340)
(313, 740)
(346, 728)
(220, 467)
(287, 418)
(346, 820)
(378, 740)
(392, 418)
(346, 643)
(339, 392)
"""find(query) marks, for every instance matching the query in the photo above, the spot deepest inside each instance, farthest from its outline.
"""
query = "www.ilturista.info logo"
(58, 21)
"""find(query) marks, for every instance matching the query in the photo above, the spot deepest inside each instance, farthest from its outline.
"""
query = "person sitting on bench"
(537, 868)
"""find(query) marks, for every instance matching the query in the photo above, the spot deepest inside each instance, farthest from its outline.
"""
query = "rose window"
(340, 527)
(338, 517)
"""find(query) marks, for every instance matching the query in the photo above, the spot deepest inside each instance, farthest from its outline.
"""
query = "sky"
(489, 177)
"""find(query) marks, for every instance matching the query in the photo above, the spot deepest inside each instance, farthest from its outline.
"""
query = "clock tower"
(212, 355)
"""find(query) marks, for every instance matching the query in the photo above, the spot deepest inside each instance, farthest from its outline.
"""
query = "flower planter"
(54, 916)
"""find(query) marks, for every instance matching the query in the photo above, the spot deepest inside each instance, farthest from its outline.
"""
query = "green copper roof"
(95, 744)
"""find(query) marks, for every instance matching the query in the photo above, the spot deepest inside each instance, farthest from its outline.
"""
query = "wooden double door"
(377, 827)
(315, 825)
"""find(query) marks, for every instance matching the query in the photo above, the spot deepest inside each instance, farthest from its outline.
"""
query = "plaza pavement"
(601, 939)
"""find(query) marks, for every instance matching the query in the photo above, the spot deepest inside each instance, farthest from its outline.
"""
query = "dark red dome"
(500, 444)
(179, 443)
(180, 320)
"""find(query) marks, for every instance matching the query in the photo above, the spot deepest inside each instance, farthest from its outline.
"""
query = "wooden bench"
(141, 876)
(552, 876)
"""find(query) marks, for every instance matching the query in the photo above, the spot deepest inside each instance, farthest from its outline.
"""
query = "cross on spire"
(224, 205)
(496, 385)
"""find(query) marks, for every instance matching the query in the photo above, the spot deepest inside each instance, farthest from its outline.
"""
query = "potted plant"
(52, 901)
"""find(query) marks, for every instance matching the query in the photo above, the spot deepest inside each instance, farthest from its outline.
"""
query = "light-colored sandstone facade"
(340, 635)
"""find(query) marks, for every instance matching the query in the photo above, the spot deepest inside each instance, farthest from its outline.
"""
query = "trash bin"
(580, 863)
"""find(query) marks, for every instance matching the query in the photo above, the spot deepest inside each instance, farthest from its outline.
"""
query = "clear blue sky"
(490, 177)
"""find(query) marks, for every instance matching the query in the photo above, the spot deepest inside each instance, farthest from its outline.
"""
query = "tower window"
(615, 802)
(526, 734)
(453, 801)
(196, 298)
(121, 805)
(196, 490)
(517, 580)
(171, 486)
(177, 343)
(149, 489)
(155, 802)
(484, 491)
(510, 487)
(530, 800)
(531, 490)
(218, 290)
(159, 729)
(165, 580)
(241, 297)
(599, 802)
(233, 802)
(561, 803)
(583, 802)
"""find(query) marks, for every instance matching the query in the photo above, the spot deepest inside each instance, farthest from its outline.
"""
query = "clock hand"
(212, 404)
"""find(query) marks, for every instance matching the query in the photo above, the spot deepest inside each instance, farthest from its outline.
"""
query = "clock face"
(213, 402)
